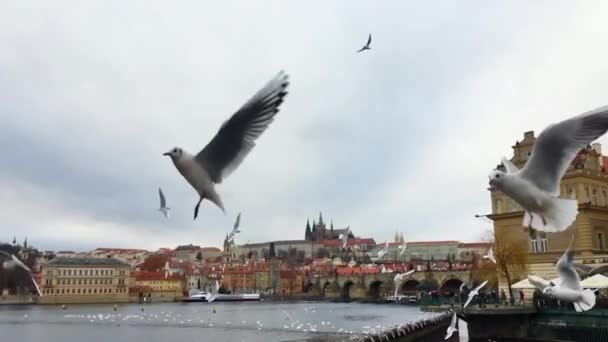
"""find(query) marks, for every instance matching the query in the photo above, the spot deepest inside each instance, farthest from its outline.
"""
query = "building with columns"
(586, 180)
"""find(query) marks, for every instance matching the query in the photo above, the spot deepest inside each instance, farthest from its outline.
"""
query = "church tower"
(308, 232)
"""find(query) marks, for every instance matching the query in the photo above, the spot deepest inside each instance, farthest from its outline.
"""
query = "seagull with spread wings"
(474, 293)
(536, 187)
(490, 256)
(399, 278)
(163, 204)
(13, 263)
(343, 237)
(235, 139)
(366, 46)
(452, 328)
(381, 253)
(235, 229)
(570, 288)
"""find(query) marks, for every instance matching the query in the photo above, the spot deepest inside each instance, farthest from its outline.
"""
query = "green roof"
(86, 262)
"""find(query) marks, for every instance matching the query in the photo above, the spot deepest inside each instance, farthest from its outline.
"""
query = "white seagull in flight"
(366, 46)
(490, 256)
(474, 293)
(381, 253)
(235, 139)
(13, 263)
(163, 204)
(536, 186)
(235, 229)
(452, 328)
(344, 237)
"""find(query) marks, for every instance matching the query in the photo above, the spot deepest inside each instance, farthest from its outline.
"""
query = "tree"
(199, 256)
(154, 262)
(511, 254)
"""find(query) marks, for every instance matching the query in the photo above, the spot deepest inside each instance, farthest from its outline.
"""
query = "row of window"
(107, 281)
(86, 272)
(81, 291)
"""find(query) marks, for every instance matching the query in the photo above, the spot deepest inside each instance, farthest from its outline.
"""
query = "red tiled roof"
(144, 275)
(363, 241)
(120, 250)
(210, 249)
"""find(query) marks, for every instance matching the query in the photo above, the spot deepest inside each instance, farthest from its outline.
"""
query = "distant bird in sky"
(344, 237)
(536, 186)
(163, 204)
(474, 293)
(381, 253)
(366, 46)
(452, 328)
(570, 288)
(13, 263)
(234, 140)
(490, 256)
(235, 229)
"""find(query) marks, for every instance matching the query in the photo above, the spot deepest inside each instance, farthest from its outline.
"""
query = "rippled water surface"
(245, 321)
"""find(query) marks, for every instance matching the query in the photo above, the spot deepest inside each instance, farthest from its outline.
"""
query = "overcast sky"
(399, 138)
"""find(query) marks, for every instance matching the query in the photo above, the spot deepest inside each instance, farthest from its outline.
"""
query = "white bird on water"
(570, 288)
(163, 204)
(474, 293)
(490, 256)
(234, 140)
(452, 328)
(344, 237)
(235, 229)
(13, 263)
(536, 186)
(381, 253)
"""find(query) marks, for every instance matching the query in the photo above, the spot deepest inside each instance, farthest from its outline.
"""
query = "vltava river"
(245, 321)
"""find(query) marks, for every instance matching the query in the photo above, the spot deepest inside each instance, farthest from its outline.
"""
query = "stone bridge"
(379, 285)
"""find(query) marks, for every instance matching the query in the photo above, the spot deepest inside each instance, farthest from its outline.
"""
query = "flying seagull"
(570, 288)
(403, 248)
(399, 279)
(235, 229)
(344, 237)
(213, 295)
(490, 256)
(474, 293)
(366, 46)
(13, 263)
(536, 187)
(163, 204)
(234, 140)
(381, 253)
(452, 328)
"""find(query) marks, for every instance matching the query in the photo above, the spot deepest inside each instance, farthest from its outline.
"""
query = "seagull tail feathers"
(588, 301)
(560, 213)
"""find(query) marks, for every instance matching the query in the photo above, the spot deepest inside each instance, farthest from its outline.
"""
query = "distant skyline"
(399, 138)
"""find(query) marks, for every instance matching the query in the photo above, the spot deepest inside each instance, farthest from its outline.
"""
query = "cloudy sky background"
(400, 138)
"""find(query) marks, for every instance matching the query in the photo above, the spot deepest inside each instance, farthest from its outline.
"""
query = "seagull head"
(175, 153)
(548, 291)
(497, 178)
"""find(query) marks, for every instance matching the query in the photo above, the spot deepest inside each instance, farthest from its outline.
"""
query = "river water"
(231, 321)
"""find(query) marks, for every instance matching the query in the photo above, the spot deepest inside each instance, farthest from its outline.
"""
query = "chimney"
(597, 147)
(529, 135)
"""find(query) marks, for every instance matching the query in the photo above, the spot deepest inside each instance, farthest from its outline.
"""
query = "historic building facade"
(586, 180)
(85, 280)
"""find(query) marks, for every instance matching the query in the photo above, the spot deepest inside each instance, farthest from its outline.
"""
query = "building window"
(538, 241)
(600, 240)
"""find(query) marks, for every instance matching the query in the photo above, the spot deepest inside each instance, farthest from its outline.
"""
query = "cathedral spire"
(308, 233)
(25, 243)
(14, 240)
(320, 218)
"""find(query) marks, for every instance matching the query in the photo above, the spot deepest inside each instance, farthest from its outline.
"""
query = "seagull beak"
(167, 154)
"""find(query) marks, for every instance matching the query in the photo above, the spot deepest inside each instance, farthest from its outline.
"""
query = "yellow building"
(84, 280)
(164, 287)
(586, 180)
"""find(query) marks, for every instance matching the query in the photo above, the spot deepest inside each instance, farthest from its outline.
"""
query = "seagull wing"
(511, 168)
(409, 272)
(6, 254)
(557, 146)
(163, 201)
(237, 223)
(469, 299)
(567, 272)
(36, 285)
(369, 40)
(454, 320)
(21, 264)
(480, 286)
(237, 136)
(538, 282)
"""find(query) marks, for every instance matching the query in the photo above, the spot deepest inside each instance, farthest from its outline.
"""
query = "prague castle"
(586, 180)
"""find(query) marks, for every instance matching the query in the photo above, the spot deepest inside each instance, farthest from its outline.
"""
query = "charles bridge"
(378, 285)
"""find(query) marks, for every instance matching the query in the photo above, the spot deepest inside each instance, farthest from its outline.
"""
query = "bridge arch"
(450, 285)
(409, 285)
(345, 293)
(374, 291)
(324, 287)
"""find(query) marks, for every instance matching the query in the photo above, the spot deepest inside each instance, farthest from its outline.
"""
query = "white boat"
(201, 296)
